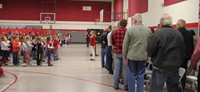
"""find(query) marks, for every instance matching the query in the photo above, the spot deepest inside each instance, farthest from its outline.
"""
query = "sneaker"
(116, 88)
(50, 64)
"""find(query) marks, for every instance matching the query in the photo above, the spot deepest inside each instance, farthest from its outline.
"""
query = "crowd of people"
(25, 48)
(124, 53)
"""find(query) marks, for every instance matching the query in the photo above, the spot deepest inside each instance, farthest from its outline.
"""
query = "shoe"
(126, 89)
(92, 60)
(116, 88)
(111, 73)
(50, 64)
(5, 65)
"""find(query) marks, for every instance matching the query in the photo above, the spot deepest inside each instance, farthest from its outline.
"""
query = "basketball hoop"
(47, 19)
(96, 21)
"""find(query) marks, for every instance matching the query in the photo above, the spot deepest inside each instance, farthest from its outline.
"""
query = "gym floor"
(74, 72)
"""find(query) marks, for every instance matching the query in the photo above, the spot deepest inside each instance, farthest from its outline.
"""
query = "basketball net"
(47, 21)
(96, 21)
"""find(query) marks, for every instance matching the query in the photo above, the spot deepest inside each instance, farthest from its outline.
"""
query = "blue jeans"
(49, 52)
(136, 72)
(120, 64)
(109, 58)
(103, 54)
(55, 54)
(160, 76)
(15, 58)
(34, 54)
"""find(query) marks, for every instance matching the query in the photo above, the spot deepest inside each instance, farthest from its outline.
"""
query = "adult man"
(117, 42)
(166, 49)
(103, 41)
(189, 46)
(135, 54)
(87, 37)
(109, 52)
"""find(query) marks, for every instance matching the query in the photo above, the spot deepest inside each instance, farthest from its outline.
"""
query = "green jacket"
(135, 42)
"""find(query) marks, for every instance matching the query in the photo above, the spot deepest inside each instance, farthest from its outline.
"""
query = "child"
(24, 49)
(39, 51)
(49, 50)
(5, 50)
(93, 44)
(1, 71)
(56, 44)
(29, 47)
(16, 45)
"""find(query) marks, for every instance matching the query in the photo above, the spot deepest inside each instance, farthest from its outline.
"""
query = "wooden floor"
(73, 73)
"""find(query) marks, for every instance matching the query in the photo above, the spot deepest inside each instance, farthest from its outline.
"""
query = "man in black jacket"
(189, 46)
(103, 42)
(165, 48)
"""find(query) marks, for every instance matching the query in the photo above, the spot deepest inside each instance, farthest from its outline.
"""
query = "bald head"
(180, 23)
(166, 19)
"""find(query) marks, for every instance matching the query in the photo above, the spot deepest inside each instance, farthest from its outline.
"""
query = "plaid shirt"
(118, 38)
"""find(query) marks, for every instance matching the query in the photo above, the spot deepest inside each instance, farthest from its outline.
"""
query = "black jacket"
(166, 48)
(103, 40)
(189, 42)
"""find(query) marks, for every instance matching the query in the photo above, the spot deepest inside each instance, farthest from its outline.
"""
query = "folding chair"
(181, 73)
(148, 72)
(191, 77)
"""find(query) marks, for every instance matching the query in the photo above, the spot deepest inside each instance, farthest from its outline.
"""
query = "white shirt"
(108, 39)
(4, 45)
(24, 46)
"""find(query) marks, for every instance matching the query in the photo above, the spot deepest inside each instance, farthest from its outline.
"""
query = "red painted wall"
(118, 9)
(72, 10)
(169, 2)
(20, 10)
(65, 10)
(137, 6)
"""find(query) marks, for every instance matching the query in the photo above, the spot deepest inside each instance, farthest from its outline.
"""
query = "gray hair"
(181, 22)
(166, 19)
(137, 17)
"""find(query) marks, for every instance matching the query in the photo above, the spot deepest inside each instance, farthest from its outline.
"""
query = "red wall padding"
(169, 2)
(118, 9)
(137, 6)
(25, 31)
(65, 10)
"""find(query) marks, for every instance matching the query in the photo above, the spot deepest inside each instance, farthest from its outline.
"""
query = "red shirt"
(55, 44)
(118, 39)
(93, 41)
(15, 46)
(1, 71)
(49, 44)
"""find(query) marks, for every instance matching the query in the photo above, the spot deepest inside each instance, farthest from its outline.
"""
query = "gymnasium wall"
(70, 17)
(66, 10)
(187, 9)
